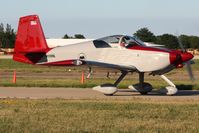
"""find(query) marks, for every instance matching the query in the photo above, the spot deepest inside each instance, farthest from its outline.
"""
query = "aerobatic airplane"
(121, 52)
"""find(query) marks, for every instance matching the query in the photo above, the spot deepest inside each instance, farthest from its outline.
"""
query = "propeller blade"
(189, 70)
(180, 44)
(188, 64)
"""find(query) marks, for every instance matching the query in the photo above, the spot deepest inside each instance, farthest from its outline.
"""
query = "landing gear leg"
(141, 82)
(124, 73)
(110, 89)
(144, 88)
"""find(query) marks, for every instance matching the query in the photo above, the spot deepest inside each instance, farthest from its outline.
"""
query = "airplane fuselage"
(148, 60)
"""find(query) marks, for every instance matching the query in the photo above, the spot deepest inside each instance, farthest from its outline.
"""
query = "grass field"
(97, 116)
(41, 76)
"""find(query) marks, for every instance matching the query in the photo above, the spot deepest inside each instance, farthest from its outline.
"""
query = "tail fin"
(30, 44)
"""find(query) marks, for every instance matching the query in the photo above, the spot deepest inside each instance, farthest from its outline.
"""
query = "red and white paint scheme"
(125, 53)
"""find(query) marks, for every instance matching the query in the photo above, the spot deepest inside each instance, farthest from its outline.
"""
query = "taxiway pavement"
(78, 93)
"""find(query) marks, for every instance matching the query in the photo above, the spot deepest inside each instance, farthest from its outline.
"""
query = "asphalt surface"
(77, 93)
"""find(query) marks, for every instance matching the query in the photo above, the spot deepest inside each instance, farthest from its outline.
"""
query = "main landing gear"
(110, 89)
(141, 87)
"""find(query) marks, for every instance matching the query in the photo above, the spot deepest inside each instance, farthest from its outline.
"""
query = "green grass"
(97, 116)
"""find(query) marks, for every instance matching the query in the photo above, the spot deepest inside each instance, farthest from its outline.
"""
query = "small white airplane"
(121, 52)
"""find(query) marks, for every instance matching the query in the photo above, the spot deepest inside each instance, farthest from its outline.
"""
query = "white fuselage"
(52, 43)
(143, 61)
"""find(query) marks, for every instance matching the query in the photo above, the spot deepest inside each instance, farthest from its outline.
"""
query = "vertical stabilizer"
(30, 44)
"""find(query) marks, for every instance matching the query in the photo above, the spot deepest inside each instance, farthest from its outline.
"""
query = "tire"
(108, 94)
(143, 93)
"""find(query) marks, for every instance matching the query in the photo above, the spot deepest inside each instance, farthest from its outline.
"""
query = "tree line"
(168, 40)
(8, 36)
(76, 36)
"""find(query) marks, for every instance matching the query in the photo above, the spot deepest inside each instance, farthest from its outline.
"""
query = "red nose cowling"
(186, 56)
(173, 57)
(179, 57)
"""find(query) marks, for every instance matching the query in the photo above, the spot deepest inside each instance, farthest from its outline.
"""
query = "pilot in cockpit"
(123, 42)
(126, 42)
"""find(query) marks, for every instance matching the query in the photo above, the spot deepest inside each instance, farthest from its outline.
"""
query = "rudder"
(30, 44)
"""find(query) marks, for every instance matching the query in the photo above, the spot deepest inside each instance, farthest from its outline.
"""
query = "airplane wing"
(112, 66)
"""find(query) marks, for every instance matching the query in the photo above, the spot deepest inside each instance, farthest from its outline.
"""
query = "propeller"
(188, 64)
(189, 70)
(180, 44)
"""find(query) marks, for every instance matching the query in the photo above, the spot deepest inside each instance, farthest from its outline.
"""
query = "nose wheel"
(169, 90)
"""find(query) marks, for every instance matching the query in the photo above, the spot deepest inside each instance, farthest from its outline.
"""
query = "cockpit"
(118, 41)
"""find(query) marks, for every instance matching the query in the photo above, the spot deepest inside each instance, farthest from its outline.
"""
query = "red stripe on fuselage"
(60, 63)
(149, 49)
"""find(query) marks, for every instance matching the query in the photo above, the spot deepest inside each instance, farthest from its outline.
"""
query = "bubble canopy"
(119, 39)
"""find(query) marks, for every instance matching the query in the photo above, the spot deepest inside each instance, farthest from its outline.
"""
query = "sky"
(98, 18)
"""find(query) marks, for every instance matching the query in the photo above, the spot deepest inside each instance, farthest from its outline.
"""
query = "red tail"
(30, 44)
